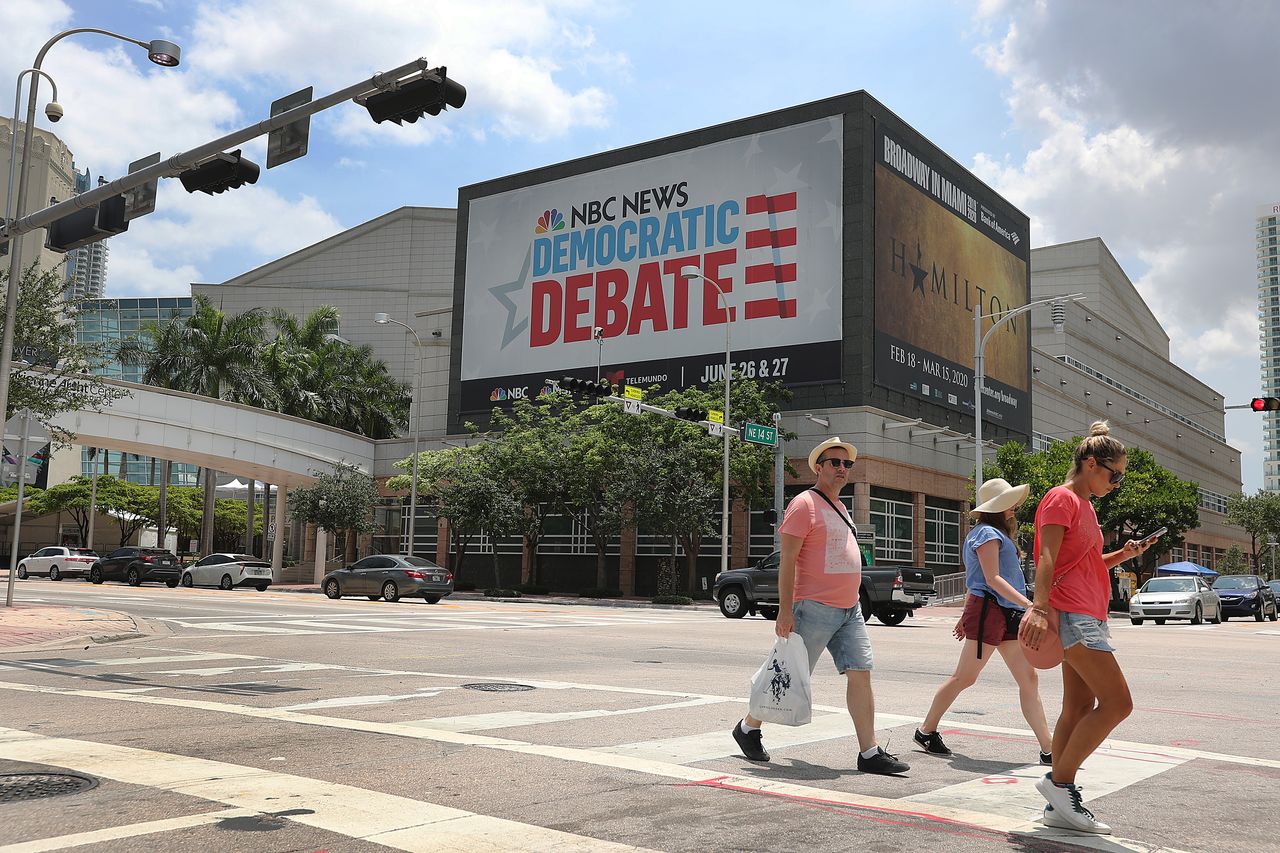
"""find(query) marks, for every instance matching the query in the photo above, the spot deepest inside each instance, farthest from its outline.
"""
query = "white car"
(227, 571)
(58, 562)
(1175, 598)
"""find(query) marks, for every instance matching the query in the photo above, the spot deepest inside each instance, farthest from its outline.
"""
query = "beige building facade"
(51, 175)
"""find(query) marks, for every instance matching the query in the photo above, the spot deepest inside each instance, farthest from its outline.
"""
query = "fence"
(949, 588)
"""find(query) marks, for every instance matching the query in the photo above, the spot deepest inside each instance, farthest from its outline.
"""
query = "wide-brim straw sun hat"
(828, 445)
(997, 495)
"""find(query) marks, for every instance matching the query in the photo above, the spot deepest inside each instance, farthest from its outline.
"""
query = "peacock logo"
(498, 395)
(550, 220)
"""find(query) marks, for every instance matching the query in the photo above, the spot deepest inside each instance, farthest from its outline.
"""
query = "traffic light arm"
(653, 410)
(180, 163)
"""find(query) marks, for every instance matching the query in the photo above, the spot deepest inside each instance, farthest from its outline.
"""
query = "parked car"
(391, 577)
(58, 562)
(135, 565)
(1275, 588)
(1245, 595)
(1175, 598)
(889, 594)
(227, 571)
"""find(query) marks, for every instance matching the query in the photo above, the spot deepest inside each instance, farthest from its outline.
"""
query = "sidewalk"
(567, 600)
(33, 627)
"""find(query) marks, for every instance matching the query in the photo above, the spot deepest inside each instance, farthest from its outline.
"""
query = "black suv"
(1245, 595)
(134, 565)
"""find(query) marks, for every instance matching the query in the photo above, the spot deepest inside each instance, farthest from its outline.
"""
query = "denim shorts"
(1076, 628)
(840, 630)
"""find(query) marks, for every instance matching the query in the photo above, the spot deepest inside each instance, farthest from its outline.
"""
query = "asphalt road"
(283, 721)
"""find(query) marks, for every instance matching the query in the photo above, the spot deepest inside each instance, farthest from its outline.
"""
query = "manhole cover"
(15, 787)
(498, 687)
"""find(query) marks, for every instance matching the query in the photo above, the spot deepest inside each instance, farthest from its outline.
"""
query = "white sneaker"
(1065, 809)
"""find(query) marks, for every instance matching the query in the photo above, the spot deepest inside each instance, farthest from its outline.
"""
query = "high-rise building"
(50, 175)
(87, 265)
(1268, 242)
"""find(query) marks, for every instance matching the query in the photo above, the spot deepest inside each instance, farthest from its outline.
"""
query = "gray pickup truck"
(889, 594)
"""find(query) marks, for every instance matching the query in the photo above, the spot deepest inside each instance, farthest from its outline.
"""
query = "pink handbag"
(1050, 653)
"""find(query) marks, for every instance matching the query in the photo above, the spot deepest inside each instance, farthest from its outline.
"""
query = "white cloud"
(1164, 158)
(510, 54)
(175, 246)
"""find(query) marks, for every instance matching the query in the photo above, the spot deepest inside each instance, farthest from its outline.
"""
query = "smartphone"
(1155, 535)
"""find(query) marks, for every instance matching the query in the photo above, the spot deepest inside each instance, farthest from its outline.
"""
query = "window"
(894, 521)
(361, 565)
(941, 537)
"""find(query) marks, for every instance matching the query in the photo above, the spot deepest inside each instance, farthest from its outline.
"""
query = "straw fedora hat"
(827, 445)
(997, 496)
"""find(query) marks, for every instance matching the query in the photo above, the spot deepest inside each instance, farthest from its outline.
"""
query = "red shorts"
(995, 630)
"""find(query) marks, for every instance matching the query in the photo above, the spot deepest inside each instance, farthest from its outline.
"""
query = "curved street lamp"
(159, 51)
(689, 273)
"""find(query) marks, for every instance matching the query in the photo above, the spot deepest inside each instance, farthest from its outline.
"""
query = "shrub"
(501, 593)
(596, 592)
(672, 599)
(534, 590)
(465, 586)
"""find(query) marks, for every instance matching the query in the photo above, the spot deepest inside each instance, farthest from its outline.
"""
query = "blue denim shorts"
(1076, 628)
(840, 630)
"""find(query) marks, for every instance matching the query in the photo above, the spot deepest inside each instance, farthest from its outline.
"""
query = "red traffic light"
(1265, 404)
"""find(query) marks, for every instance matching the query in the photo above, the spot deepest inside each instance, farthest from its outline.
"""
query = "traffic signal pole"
(180, 163)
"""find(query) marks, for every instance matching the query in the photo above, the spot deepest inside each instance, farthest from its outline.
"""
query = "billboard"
(944, 244)
(549, 264)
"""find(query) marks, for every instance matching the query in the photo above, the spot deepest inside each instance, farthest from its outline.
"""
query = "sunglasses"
(836, 463)
(1117, 477)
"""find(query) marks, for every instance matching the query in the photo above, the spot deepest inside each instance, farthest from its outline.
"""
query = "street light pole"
(979, 362)
(160, 52)
(691, 272)
(383, 319)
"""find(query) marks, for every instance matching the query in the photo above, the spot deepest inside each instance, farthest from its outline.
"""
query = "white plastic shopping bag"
(780, 690)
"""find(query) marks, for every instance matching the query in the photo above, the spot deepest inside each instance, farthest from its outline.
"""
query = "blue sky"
(1124, 121)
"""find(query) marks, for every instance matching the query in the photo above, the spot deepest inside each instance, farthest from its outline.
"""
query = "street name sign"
(761, 434)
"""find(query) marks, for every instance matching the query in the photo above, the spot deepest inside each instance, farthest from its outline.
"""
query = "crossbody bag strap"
(843, 517)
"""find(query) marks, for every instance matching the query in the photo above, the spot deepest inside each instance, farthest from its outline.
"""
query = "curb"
(143, 629)
(557, 601)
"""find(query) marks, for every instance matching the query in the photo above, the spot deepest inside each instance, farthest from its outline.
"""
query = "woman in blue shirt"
(997, 597)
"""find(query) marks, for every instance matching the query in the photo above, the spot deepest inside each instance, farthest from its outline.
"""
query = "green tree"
(62, 372)
(71, 498)
(1151, 497)
(341, 499)
(229, 517)
(1234, 561)
(1258, 514)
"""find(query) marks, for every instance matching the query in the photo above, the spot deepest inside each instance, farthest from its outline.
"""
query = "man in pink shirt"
(818, 581)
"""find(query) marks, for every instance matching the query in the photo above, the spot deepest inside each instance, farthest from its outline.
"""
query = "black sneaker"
(932, 743)
(1046, 758)
(882, 763)
(750, 743)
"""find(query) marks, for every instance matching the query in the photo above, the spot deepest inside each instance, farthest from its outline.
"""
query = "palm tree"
(208, 353)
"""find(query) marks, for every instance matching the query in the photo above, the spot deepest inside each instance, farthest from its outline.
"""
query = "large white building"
(1268, 242)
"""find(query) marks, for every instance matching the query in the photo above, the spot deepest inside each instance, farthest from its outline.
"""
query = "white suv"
(58, 562)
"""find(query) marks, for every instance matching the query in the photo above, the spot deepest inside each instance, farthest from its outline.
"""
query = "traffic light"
(87, 226)
(1265, 404)
(223, 172)
(691, 413)
(586, 387)
(409, 102)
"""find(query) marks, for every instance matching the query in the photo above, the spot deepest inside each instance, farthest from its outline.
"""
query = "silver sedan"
(1175, 598)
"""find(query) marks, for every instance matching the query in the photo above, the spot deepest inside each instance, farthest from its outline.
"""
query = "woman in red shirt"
(1073, 576)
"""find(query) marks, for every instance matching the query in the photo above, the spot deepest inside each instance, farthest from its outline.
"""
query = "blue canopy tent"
(1186, 568)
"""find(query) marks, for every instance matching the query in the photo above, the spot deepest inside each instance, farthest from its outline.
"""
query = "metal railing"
(949, 588)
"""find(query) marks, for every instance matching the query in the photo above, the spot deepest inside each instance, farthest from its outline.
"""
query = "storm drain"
(16, 787)
(497, 687)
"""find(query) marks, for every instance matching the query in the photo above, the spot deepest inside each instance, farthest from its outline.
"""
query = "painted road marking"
(1022, 824)
(512, 719)
(385, 819)
(133, 830)
(1013, 793)
(361, 701)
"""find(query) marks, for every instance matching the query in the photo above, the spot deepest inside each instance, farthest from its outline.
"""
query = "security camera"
(54, 111)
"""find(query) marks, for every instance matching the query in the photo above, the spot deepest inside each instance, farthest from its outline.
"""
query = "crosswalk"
(430, 707)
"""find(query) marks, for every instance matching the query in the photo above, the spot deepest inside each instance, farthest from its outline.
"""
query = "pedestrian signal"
(1265, 404)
